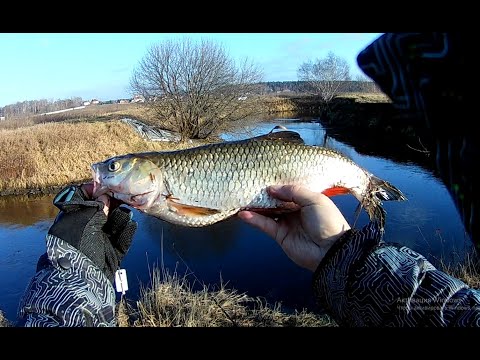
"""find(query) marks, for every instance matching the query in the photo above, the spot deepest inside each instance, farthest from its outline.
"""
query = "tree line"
(34, 107)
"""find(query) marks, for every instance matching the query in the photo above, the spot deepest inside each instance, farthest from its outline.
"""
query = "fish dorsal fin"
(288, 136)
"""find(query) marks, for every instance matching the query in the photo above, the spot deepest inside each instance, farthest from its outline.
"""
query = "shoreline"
(45, 156)
(49, 190)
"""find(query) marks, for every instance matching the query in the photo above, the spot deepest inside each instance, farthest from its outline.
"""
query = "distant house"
(95, 102)
(138, 99)
(124, 101)
(86, 103)
(2, 118)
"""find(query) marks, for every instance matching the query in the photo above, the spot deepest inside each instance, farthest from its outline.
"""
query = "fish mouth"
(98, 188)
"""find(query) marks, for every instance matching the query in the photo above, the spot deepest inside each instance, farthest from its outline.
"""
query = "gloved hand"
(84, 224)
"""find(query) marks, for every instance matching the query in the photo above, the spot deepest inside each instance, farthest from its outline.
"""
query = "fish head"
(133, 179)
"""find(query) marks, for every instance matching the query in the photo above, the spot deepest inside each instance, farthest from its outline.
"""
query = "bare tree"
(324, 76)
(194, 88)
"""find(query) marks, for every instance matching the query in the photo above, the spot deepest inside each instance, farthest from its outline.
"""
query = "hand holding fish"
(307, 234)
(109, 203)
(201, 186)
(98, 228)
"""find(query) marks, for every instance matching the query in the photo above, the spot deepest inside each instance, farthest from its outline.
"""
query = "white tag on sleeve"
(121, 282)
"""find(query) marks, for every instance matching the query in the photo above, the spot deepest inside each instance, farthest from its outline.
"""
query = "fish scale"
(207, 184)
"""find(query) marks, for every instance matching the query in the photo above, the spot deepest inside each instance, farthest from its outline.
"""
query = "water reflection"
(26, 210)
(23, 224)
(198, 243)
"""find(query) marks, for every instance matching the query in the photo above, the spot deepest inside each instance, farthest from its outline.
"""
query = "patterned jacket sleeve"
(67, 290)
(363, 281)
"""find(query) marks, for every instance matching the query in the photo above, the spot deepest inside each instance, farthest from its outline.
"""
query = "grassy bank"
(50, 155)
(171, 302)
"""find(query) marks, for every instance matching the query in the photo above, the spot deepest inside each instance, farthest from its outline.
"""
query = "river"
(234, 253)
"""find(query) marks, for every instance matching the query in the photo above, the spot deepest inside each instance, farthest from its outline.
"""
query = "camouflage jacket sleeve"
(363, 281)
(67, 290)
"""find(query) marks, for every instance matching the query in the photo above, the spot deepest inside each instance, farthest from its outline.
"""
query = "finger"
(87, 189)
(106, 201)
(119, 217)
(114, 203)
(266, 224)
(294, 193)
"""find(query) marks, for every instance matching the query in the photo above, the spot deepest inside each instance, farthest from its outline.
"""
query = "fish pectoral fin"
(190, 210)
(336, 190)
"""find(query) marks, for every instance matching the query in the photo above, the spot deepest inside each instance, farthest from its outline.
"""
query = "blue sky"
(63, 65)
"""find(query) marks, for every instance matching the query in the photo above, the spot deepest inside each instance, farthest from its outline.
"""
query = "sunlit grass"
(172, 302)
(377, 97)
(55, 154)
(3, 321)
(467, 271)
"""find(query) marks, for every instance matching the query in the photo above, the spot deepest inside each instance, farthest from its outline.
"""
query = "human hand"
(307, 234)
(99, 228)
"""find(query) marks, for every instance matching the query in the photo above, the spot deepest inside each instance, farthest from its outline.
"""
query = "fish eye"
(113, 166)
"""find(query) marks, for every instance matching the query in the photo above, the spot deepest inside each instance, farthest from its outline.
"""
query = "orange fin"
(190, 210)
(336, 190)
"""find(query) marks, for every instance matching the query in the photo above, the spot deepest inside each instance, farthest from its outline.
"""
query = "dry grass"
(171, 302)
(275, 104)
(378, 97)
(55, 154)
(88, 114)
(467, 271)
(3, 321)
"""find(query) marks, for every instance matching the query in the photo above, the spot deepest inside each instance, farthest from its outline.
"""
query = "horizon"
(58, 66)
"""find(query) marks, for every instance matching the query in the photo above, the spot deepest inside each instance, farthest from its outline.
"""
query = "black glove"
(83, 224)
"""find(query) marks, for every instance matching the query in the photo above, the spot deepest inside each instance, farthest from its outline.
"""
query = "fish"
(203, 185)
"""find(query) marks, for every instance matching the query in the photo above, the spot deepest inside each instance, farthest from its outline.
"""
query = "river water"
(234, 253)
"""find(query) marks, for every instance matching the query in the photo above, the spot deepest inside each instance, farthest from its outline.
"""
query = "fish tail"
(378, 191)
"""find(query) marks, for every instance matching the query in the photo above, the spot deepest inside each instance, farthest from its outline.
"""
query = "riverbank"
(171, 302)
(43, 158)
(39, 155)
